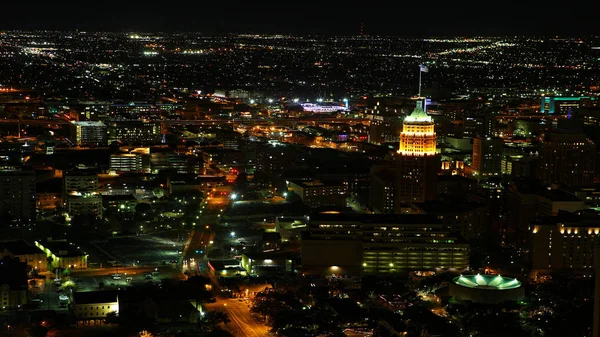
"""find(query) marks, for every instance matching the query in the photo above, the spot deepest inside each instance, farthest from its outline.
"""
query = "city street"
(197, 248)
(242, 323)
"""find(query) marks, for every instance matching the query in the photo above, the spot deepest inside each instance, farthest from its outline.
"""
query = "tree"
(112, 318)
(69, 286)
(145, 333)
(50, 263)
(38, 331)
(212, 319)
(218, 332)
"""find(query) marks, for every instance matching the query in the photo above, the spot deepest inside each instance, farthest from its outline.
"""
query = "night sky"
(302, 17)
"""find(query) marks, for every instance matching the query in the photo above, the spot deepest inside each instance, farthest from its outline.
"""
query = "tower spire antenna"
(422, 69)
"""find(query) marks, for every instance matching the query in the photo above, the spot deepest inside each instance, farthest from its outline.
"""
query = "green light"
(496, 282)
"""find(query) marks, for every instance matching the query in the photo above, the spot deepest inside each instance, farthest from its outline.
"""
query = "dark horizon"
(302, 19)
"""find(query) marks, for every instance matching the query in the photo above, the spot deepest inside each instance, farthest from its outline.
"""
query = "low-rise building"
(13, 284)
(290, 228)
(49, 194)
(269, 263)
(226, 268)
(30, 254)
(91, 307)
(119, 203)
(320, 193)
(64, 254)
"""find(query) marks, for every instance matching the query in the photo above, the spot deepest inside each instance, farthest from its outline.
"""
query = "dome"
(418, 115)
(487, 282)
(486, 288)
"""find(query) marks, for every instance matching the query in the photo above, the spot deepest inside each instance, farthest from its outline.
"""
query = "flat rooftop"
(62, 248)
(377, 218)
(316, 183)
(447, 206)
(20, 247)
(92, 297)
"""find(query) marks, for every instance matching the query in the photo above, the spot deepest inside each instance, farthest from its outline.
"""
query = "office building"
(487, 156)
(222, 156)
(566, 241)
(275, 159)
(468, 219)
(17, 191)
(385, 127)
(179, 163)
(89, 133)
(87, 206)
(417, 162)
(320, 193)
(527, 200)
(596, 314)
(119, 203)
(126, 162)
(567, 158)
(134, 132)
(382, 190)
(354, 244)
(81, 194)
(562, 105)
(143, 110)
(80, 181)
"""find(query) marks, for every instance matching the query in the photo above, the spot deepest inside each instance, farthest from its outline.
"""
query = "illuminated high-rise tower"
(417, 162)
(418, 135)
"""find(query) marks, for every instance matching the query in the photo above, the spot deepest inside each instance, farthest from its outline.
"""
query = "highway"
(242, 323)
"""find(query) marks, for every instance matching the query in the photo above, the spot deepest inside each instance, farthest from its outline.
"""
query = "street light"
(234, 196)
(285, 194)
(232, 234)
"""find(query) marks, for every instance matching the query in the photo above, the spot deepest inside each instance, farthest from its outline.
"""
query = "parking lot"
(145, 250)
(108, 279)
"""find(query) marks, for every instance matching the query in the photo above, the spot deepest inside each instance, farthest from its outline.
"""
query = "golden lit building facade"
(418, 163)
(418, 135)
